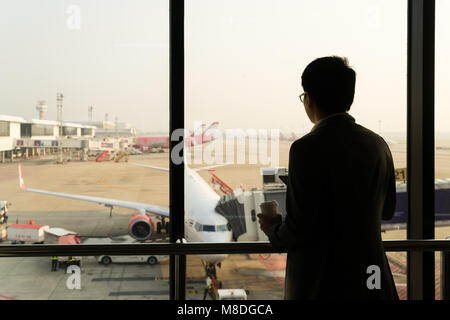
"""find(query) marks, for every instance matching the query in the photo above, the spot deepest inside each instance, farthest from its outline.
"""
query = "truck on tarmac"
(231, 294)
(26, 233)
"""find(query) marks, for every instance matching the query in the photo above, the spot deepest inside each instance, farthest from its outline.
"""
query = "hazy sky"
(244, 59)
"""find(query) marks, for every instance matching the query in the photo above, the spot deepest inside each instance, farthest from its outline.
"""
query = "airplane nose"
(222, 237)
(213, 258)
(218, 237)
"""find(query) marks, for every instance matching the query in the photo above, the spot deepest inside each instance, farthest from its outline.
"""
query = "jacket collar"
(343, 116)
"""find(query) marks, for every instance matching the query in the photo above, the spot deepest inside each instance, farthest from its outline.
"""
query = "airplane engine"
(140, 227)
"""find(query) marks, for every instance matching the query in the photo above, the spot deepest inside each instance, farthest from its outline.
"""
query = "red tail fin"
(21, 182)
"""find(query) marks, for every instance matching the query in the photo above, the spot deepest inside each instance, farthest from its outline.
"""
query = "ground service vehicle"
(151, 260)
(231, 294)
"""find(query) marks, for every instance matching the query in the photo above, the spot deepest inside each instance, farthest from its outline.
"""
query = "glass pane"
(397, 263)
(442, 136)
(86, 278)
(442, 133)
(244, 62)
(106, 63)
(241, 276)
(261, 276)
(85, 93)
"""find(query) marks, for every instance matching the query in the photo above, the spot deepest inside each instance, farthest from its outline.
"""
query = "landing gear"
(210, 269)
(163, 225)
(158, 228)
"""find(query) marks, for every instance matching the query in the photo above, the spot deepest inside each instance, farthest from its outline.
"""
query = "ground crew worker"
(209, 289)
(70, 262)
(54, 263)
(211, 270)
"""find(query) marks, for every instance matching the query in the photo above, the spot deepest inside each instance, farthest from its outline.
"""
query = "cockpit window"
(212, 228)
(209, 228)
(222, 228)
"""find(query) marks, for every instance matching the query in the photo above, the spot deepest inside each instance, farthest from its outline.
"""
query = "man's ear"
(312, 103)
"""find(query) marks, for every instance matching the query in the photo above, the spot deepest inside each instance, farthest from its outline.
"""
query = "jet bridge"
(241, 207)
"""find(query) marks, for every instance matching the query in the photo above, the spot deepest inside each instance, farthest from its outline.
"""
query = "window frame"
(420, 145)
(420, 164)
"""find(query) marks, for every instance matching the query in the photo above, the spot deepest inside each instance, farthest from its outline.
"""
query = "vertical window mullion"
(176, 119)
(420, 154)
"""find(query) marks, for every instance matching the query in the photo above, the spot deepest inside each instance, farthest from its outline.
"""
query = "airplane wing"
(211, 167)
(148, 166)
(141, 207)
(167, 169)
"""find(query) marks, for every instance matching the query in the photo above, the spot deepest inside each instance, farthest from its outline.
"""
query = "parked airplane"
(292, 137)
(202, 222)
(389, 141)
(442, 206)
(206, 134)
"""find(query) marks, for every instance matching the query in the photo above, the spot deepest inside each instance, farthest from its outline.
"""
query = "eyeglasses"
(302, 97)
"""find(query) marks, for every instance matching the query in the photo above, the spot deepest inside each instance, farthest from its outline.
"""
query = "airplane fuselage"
(202, 223)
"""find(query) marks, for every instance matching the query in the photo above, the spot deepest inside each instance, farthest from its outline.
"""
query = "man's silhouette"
(341, 184)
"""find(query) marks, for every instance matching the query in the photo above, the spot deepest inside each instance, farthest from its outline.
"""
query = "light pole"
(59, 100)
(90, 111)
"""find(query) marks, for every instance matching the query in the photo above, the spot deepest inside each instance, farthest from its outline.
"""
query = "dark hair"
(331, 83)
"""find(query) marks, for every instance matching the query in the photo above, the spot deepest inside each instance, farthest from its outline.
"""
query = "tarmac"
(31, 279)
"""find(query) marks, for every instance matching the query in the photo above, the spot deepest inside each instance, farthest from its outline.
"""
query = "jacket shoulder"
(305, 143)
(373, 136)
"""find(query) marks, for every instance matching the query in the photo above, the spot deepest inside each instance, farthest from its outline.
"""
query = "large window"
(442, 136)
(69, 131)
(108, 62)
(38, 130)
(243, 65)
(25, 130)
(442, 132)
(4, 128)
(244, 62)
(86, 131)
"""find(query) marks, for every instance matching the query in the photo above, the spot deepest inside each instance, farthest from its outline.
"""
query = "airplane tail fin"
(206, 134)
(210, 130)
(21, 182)
(293, 136)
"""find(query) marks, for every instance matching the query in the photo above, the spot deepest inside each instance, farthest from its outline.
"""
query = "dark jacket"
(341, 184)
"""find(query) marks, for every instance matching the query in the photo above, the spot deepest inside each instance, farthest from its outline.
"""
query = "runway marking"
(140, 293)
(150, 293)
(129, 279)
(155, 278)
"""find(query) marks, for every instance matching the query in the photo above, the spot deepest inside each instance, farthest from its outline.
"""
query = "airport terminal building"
(20, 138)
